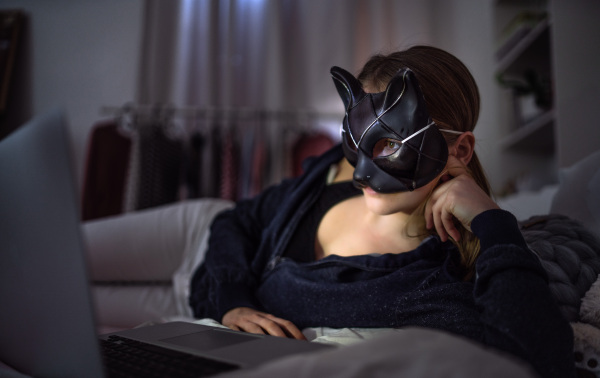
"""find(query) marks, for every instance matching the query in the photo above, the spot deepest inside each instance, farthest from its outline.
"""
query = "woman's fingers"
(449, 225)
(251, 326)
(457, 199)
(437, 222)
(275, 326)
(288, 327)
(253, 321)
(269, 326)
(442, 217)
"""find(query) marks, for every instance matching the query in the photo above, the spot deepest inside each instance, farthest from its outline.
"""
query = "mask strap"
(428, 126)
(451, 131)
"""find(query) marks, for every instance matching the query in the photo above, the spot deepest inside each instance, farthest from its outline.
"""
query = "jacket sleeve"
(517, 308)
(226, 279)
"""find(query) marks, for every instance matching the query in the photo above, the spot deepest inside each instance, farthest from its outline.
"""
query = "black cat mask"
(389, 136)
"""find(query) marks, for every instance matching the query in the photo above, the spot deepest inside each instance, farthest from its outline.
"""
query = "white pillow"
(578, 196)
(150, 245)
(526, 204)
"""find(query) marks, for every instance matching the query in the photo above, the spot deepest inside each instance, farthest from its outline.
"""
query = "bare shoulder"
(340, 229)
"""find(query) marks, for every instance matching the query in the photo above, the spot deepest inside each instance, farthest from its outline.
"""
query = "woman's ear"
(464, 147)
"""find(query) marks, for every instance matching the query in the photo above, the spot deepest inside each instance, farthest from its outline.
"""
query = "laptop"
(47, 326)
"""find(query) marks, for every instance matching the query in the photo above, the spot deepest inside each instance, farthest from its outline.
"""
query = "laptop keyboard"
(130, 358)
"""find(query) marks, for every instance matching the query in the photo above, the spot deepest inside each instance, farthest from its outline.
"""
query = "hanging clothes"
(161, 162)
(193, 163)
(145, 158)
(259, 161)
(229, 166)
(210, 162)
(307, 145)
(106, 168)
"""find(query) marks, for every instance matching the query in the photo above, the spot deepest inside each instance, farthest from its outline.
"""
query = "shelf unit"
(558, 40)
(527, 49)
(531, 48)
(535, 136)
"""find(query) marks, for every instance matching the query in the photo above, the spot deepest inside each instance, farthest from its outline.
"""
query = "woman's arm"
(511, 288)
(517, 308)
(234, 242)
(226, 279)
(242, 243)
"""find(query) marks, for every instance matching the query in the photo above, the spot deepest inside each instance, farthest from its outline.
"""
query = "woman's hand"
(249, 320)
(458, 198)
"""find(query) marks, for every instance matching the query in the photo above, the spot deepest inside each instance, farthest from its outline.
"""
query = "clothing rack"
(208, 112)
(150, 155)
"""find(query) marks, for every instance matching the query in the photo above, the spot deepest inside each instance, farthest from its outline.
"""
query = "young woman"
(395, 227)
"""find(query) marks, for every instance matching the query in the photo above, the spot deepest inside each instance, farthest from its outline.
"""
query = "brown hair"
(452, 98)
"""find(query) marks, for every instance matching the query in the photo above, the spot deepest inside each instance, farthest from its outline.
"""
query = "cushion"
(570, 254)
(150, 246)
(411, 352)
(579, 192)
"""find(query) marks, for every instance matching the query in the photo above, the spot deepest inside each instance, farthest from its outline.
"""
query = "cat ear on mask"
(404, 84)
(412, 106)
(348, 87)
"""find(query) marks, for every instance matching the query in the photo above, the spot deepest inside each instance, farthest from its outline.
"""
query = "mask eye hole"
(385, 147)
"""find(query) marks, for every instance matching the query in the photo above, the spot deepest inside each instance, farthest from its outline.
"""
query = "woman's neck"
(392, 229)
(389, 232)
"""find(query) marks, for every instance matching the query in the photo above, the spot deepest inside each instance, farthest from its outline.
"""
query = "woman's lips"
(370, 191)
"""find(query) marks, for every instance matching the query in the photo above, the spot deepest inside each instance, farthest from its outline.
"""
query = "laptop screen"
(46, 321)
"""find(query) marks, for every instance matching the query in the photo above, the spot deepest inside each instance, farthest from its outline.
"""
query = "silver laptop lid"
(46, 317)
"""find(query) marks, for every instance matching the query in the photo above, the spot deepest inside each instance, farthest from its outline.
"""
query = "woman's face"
(389, 136)
(390, 203)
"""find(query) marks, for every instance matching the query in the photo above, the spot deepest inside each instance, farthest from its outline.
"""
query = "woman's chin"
(379, 203)
(391, 203)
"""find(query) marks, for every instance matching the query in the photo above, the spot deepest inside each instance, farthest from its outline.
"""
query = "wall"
(81, 55)
(86, 54)
(269, 54)
(466, 29)
(576, 42)
(463, 27)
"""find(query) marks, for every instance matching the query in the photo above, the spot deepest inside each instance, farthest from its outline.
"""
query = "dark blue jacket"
(507, 305)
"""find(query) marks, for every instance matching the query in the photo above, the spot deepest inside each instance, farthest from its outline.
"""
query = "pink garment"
(105, 171)
(308, 145)
(229, 168)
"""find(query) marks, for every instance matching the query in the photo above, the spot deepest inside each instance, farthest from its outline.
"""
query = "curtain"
(270, 57)
(268, 54)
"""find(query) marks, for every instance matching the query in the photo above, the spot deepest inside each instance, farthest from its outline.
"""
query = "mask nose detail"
(367, 173)
(360, 184)
(362, 173)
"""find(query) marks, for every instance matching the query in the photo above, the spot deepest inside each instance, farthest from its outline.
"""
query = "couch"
(141, 264)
